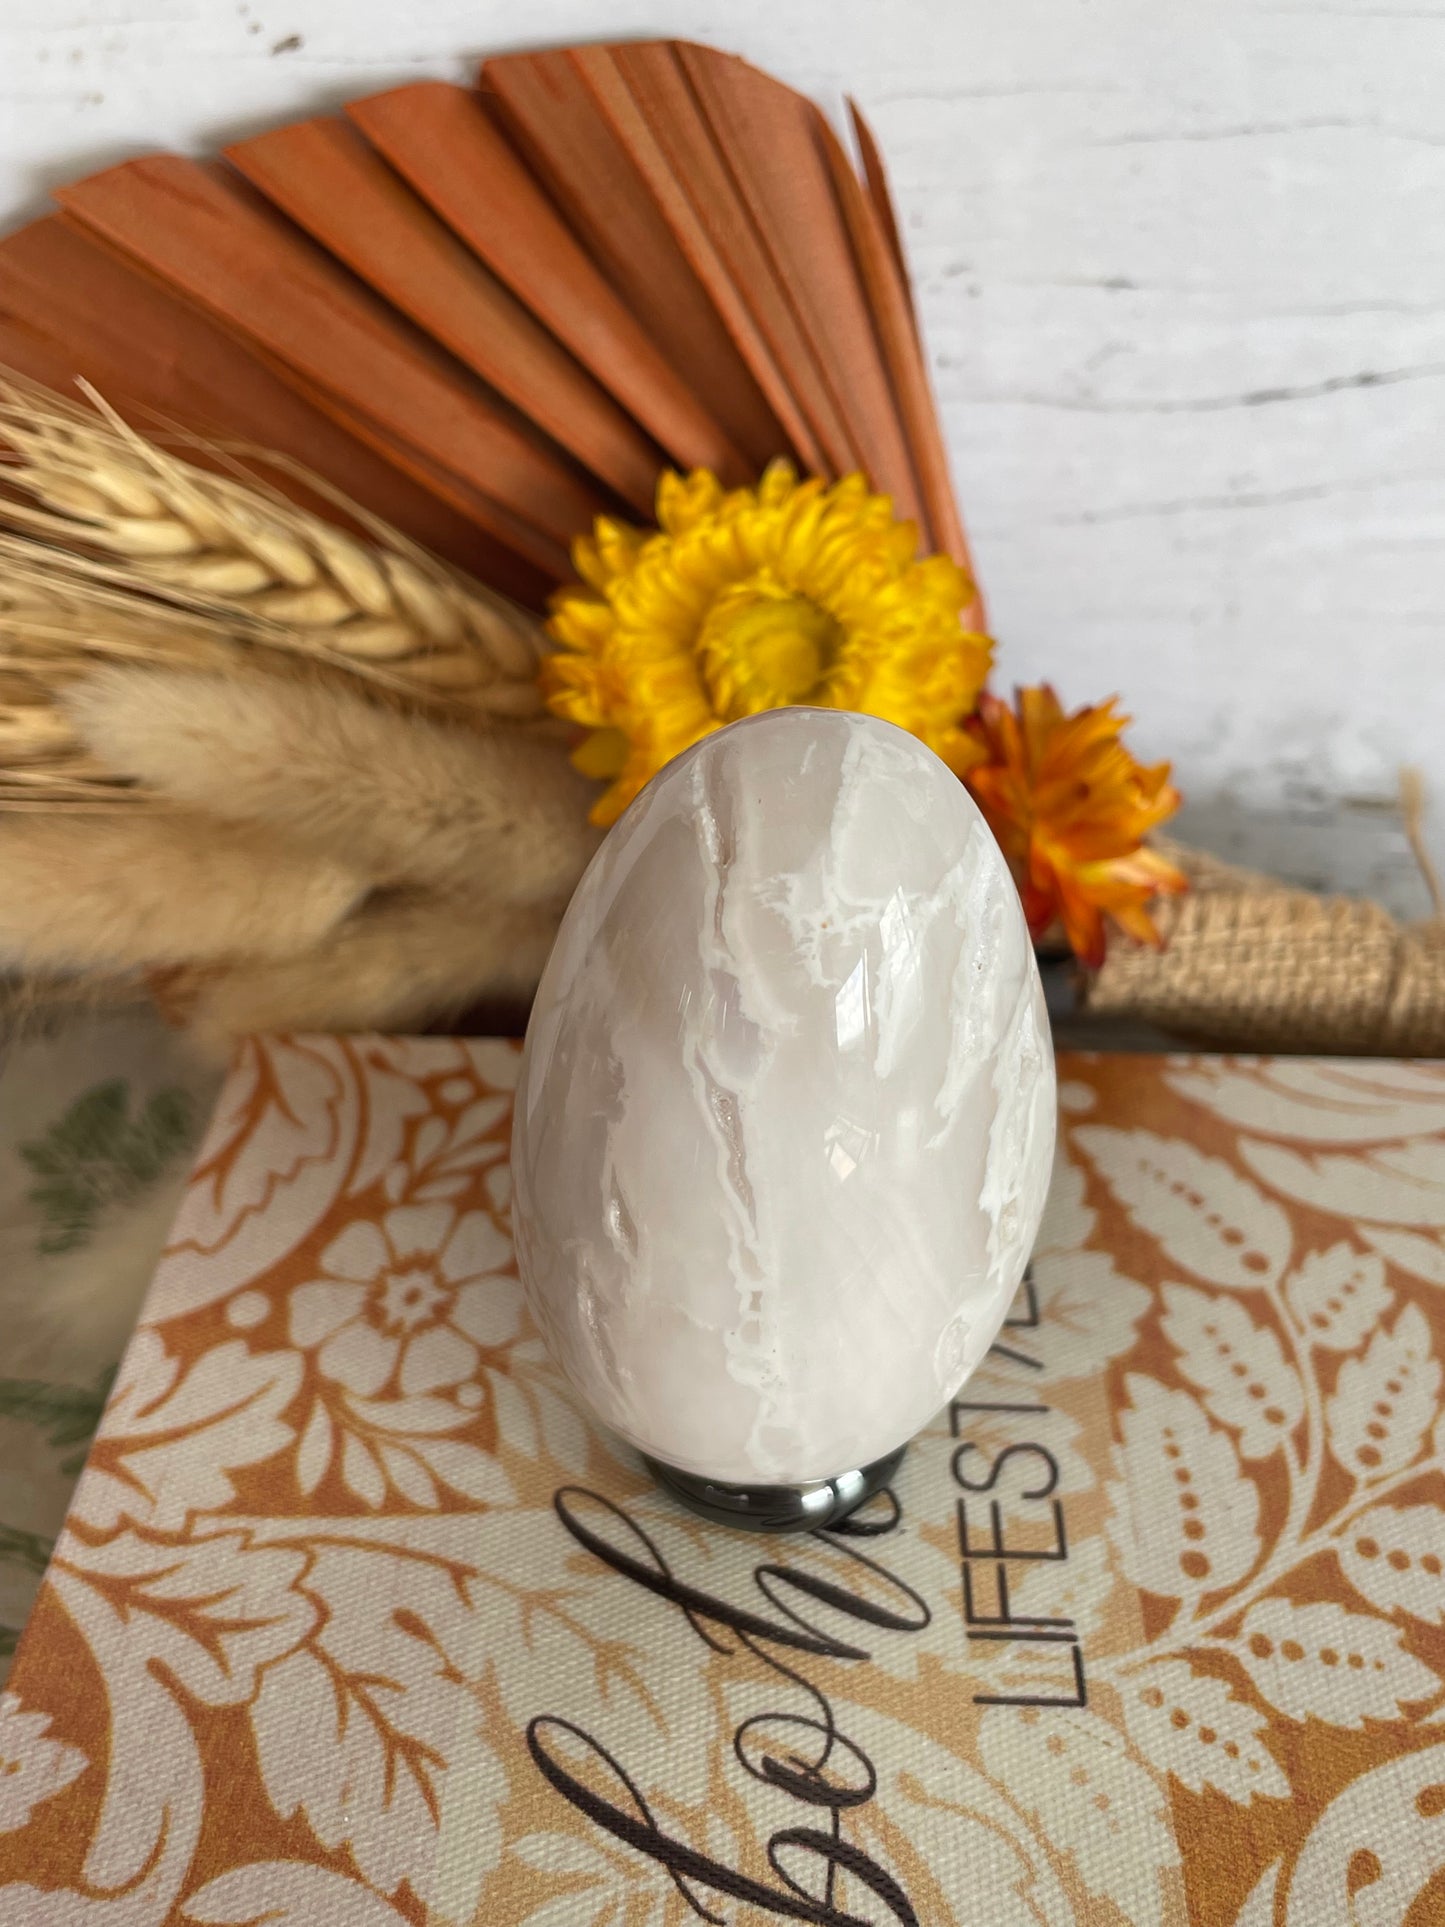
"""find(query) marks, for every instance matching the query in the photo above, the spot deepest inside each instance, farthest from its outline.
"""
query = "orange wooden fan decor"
(490, 314)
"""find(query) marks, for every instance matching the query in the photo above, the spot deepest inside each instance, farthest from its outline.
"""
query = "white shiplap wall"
(1182, 270)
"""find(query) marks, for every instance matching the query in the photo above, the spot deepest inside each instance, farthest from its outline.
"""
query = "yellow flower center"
(750, 599)
(762, 646)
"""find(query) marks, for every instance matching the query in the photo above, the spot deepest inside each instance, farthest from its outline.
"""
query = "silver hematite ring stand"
(777, 1508)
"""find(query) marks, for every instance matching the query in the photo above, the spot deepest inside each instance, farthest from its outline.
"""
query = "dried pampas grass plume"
(407, 803)
(132, 892)
(399, 964)
(307, 861)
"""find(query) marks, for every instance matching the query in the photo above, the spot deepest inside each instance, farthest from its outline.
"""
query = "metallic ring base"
(777, 1508)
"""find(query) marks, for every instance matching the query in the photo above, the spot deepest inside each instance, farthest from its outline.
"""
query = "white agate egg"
(785, 1117)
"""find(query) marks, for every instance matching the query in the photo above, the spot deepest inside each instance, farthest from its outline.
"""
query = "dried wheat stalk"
(125, 511)
(112, 550)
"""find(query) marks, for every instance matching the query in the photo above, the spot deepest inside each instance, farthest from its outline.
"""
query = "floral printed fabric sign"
(356, 1621)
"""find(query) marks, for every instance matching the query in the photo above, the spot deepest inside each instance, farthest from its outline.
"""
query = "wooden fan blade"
(892, 308)
(202, 229)
(69, 307)
(494, 315)
(552, 117)
(543, 559)
(775, 144)
(654, 112)
(875, 178)
(441, 140)
(328, 179)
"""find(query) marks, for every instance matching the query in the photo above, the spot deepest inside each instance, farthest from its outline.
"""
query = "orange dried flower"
(1070, 808)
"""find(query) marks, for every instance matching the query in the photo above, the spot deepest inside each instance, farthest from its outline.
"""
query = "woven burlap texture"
(1250, 963)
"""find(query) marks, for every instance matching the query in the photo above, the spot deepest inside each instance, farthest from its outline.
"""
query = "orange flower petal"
(1070, 806)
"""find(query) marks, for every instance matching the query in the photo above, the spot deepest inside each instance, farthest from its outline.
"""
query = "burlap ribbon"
(1253, 964)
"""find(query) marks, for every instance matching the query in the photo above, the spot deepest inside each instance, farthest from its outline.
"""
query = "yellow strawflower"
(751, 599)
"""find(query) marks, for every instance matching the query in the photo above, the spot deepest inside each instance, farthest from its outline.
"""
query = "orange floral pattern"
(357, 1621)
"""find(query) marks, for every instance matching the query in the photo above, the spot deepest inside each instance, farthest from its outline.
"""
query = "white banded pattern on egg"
(786, 1111)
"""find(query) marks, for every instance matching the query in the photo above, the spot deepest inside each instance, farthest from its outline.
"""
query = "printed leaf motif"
(516, 1422)
(1395, 1557)
(371, 1728)
(1207, 1218)
(212, 1613)
(1068, 1219)
(1092, 1799)
(619, 1660)
(1412, 1251)
(1190, 1724)
(1090, 1309)
(1338, 1295)
(475, 1474)
(361, 1471)
(151, 1815)
(1317, 1103)
(1077, 1589)
(34, 1766)
(313, 1455)
(1393, 1184)
(936, 1811)
(21, 1548)
(452, 1151)
(536, 1414)
(169, 1442)
(1323, 1663)
(392, 1101)
(1258, 1910)
(601, 1905)
(562, 1428)
(953, 1814)
(1238, 1366)
(1383, 1403)
(1185, 1516)
(67, 1414)
(559, 1853)
(99, 1154)
(1087, 1302)
(168, 1625)
(287, 1893)
(592, 1906)
(1391, 1818)
(147, 1374)
(273, 1161)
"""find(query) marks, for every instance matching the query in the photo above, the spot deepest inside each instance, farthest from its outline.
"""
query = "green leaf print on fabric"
(100, 1154)
(67, 1414)
(31, 1552)
(29, 1549)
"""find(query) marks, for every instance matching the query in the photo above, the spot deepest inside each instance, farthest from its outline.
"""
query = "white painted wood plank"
(1182, 270)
